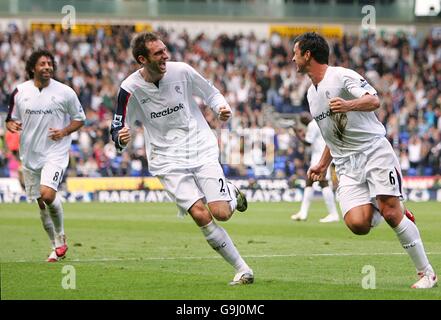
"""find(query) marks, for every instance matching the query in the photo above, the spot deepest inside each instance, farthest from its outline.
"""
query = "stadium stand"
(256, 75)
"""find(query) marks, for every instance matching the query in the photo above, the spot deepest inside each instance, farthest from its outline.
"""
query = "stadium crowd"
(259, 81)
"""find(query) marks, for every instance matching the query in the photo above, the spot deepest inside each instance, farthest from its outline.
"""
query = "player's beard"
(162, 67)
(301, 68)
(156, 69)
(44, 76)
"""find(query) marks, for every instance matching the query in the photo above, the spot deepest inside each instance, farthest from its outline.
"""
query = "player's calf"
(220, 210)
(200, 213)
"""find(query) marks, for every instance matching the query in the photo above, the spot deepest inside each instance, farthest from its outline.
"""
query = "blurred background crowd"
(258, 80)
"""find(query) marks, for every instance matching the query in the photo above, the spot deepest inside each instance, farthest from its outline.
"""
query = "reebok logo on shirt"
(37, 112)
(166, 112)
(323, 115)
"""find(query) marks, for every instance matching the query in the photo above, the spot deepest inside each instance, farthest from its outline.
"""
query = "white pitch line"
(218, 257)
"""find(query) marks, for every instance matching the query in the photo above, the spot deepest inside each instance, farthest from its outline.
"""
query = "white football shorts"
(367, 174)
(50, 175)
(186, 186)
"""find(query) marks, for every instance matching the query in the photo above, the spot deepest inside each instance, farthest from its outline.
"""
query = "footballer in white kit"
(45, 112)
(38, 111)
(313, 138)
(181, 149)
(365, 161)
(343, 103)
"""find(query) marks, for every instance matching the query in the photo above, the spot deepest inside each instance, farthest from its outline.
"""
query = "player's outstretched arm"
(212, 97)
(318, 171)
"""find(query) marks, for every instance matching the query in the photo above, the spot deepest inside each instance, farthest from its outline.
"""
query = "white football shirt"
(176, 133)
(55, 106)
(345, 133)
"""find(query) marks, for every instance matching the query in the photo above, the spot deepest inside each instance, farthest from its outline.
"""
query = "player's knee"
(359, 229)
(47, 197)
(390, 208)
(47, 194)
(391, 214)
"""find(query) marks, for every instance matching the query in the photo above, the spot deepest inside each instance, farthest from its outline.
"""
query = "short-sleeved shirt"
(54, 106)
(345, 133)
(177, 136)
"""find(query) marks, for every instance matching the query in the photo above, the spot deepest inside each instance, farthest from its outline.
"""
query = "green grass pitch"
(143, 251)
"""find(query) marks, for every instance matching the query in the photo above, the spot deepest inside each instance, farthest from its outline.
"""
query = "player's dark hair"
(316, 44)
(33, 58)
(139, 47)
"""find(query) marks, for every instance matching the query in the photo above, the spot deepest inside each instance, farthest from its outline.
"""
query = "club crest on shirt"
(328, 94)
(178, 89)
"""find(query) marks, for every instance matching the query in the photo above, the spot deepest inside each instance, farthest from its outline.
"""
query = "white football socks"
(48, 225)
(328, 196)
(220, 241)
(409, 236)
(56, 213)
(377, 217)
(306, 201)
